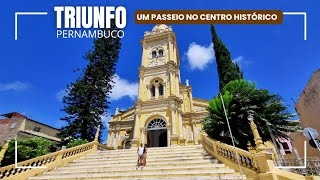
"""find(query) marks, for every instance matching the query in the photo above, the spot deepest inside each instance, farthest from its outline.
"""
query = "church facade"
(165, 112)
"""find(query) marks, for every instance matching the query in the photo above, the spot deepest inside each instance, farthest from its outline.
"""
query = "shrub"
(76, 142)
(27, 149)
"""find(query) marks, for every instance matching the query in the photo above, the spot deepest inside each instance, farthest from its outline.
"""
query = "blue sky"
(37, 67)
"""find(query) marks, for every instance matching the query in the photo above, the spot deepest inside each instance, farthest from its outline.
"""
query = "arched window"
(157, 124)
(160, 52)
(153, 91)
(161, 89)
(154, 54)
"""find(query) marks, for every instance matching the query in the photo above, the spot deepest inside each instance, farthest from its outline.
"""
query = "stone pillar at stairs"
(143, 135)
(184, 132)
(169, 135)
(109, 138)
(134, 141)
(195, 133)
(118, 138)
(173, 120)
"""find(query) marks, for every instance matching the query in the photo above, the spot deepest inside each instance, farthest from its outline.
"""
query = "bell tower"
(165, 112)
(159, 57)
(159, 89)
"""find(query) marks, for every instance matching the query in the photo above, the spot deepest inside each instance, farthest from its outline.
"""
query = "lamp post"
(260, 147)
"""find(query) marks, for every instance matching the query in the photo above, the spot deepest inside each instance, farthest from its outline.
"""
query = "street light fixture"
(250, 118)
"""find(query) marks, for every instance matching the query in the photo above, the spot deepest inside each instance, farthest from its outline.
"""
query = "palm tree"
(241, 99)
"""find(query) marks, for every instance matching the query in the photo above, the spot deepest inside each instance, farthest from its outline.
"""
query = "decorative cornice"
(142, 71)
(162, 114)
(194, 114)
(173, 107)
(112, 124)
(184, 88)
(152, 37)
(170, 66)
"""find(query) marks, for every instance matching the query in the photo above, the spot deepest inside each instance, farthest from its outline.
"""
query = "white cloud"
(241, 61)
(238, 60)
(122, 88)
(105, 120)
(60, 94)
(199, 56)
(14, 86)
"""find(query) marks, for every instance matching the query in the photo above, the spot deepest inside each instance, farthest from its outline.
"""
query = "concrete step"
(158, 148)
(134, 156)
(150, 162)
(159, 165)
(192, 178)
(145, 174)
(101, 153)
(220, 177)
(149, 159)
(216, 177)
(149, 150)
(133, 169)
(170, 163)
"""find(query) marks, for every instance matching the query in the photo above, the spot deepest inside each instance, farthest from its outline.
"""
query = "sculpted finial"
(117, 111)
(187, 82)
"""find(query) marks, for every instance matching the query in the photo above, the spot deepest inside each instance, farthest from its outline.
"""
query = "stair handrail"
(254, 165)
(47, 162)
(38, 165)
(3, 150)
(227, 154)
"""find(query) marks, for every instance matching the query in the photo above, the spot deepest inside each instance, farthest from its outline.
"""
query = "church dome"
(161, 27)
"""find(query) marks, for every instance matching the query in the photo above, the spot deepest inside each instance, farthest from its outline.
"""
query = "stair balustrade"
(245, 158)
(38, 165)
(254, 165)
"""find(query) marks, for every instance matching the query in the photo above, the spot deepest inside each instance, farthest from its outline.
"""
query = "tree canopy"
(227, 70)
(241, 99)
(87, 98)
(27, 149)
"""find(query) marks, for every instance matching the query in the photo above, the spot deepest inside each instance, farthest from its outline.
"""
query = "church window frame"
(156, 88)
(160, 52)
(154, 54)
(153, 90)
(161, 89)
(157, 123)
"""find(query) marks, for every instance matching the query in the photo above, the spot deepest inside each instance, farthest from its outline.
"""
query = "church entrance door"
(157, 133)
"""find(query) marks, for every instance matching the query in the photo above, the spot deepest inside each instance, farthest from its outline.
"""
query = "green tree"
(76, 142)
(227, 70)
(242, 98)
(87, 98)
(27, 149)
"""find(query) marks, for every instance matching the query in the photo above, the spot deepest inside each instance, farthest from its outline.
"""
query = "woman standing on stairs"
(145, 155)
(140, 152)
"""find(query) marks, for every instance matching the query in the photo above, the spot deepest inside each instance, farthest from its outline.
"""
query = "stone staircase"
(176, 162)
